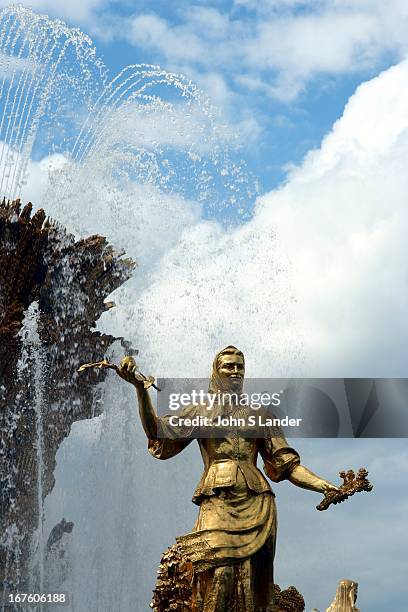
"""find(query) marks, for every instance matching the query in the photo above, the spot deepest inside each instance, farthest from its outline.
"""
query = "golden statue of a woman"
(232, 544)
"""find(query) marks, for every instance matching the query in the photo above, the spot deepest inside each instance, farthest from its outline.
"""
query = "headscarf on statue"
(215, 384)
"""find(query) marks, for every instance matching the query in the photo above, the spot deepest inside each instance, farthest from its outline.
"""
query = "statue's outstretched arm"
(128, 371)
(282, 462)
(302, 477)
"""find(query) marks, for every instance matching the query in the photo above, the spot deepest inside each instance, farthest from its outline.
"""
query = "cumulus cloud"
(142, 220)
(284, 47)
(280, 44)
(78, 11)
(314, 283)
(342, 217)
(317, 275)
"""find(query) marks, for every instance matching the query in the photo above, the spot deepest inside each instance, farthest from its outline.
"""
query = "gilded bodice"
(224, 456)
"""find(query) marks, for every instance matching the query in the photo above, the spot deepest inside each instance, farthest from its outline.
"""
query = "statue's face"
(231, 369)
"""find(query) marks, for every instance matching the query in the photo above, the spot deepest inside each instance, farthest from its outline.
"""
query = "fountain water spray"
(145, 126)
(46, 68)
(31, 367)
(142, 154)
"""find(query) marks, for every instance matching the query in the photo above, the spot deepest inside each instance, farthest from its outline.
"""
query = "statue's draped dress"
(232, 544)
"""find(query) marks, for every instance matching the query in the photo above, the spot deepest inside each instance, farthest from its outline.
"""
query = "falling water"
(145, 127)
(46, 69)
(145, 155)
(31, 367)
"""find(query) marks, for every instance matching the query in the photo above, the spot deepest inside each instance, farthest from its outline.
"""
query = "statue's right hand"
(128, 371)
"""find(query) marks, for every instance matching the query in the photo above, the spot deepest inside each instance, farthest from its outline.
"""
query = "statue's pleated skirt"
(232, 549)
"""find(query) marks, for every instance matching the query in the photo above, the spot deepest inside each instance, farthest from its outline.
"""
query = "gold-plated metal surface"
(148, 381)
(345, 598)
(232, 544)
(174, 590)
(352, 484)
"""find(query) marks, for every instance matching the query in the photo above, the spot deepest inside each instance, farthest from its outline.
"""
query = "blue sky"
(281, 71)
(286, 125)
(277, 127)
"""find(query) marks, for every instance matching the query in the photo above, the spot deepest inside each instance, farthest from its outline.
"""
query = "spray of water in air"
(31, 372)
(140, 157)
(143, 129)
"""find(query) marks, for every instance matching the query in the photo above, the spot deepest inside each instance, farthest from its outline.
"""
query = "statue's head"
(228, 371)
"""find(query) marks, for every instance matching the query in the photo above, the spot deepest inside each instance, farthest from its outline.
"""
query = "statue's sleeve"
(279, 458)
(172, 439)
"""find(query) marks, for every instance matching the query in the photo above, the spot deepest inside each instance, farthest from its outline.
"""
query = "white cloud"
(181, 44)
(36, 177)
(343, 219)
(317, 276)
(9, 64)
(77, 11)
(282, 44)
(341, 222)
(141, 219)
(284, 48)
(316, 279)
(273, 5)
